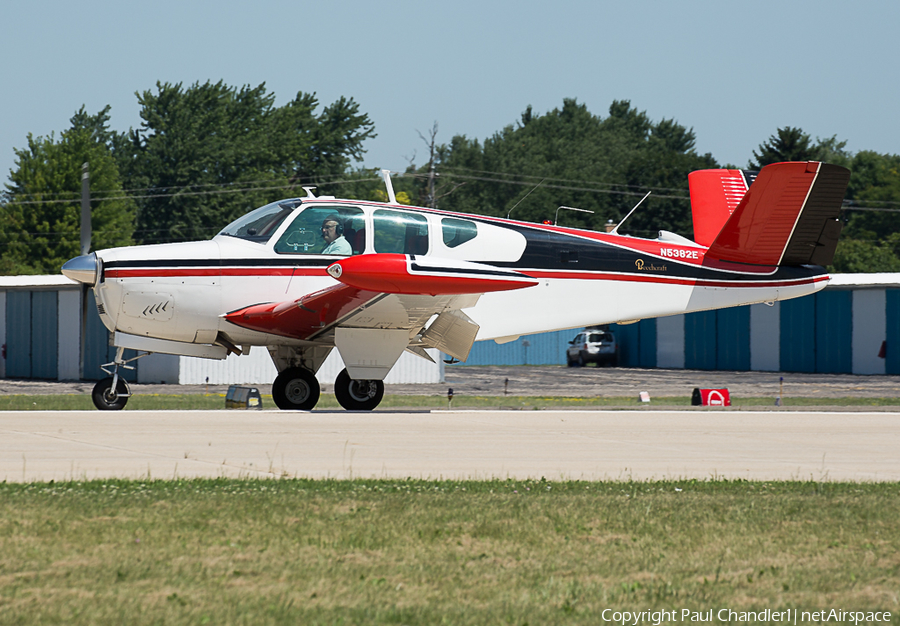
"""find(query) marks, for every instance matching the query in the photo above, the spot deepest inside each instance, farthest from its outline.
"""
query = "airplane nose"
(82, 268)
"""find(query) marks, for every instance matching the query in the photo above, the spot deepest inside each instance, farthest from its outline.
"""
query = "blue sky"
(734, 72)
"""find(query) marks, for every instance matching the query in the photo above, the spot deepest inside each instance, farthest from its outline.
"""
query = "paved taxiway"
(43, 446)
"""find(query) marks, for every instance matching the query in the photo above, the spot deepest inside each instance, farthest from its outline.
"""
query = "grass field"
(150, 402)
(414, 552)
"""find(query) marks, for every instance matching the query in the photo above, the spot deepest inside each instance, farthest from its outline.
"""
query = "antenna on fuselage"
(568, 208)
(386, 174)
(525, 196)
(614, 231)
(309, 193)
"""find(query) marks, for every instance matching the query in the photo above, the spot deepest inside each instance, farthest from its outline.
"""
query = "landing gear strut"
(296, 389)
(358, 395)
(111, 394)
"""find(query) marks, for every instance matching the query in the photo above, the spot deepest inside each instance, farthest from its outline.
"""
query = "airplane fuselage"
(307, 275)
(182, 292)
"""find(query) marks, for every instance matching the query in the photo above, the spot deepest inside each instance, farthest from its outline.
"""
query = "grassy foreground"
(212, 401)
(415, 552)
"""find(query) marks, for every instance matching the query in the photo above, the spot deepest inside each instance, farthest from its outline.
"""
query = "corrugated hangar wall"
(40, 331)
(839, 330)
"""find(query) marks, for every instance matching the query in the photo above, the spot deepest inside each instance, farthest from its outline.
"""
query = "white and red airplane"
(306, 275)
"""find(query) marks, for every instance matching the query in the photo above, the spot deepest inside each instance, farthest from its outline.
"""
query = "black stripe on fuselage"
(170, 263)
(561, 252)
(459, 271)
(545, 251)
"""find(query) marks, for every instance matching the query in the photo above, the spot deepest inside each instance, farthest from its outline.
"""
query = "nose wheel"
(357, 395)
(108, 399)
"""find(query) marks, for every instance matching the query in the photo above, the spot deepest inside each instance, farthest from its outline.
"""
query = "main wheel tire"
(357, 395)
(105, 399)
(295, 389)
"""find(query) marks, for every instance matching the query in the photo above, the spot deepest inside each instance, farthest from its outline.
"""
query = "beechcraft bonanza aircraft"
(307, 275)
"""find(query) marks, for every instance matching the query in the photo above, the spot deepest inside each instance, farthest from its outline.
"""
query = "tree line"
(202, 156)
(207, 153)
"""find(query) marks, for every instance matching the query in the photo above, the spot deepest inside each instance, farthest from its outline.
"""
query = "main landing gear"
(357, 395)
(297, 389)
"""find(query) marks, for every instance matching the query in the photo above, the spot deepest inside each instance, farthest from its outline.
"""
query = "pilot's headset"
(334, 217)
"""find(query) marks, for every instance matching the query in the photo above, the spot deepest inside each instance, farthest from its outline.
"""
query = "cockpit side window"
(336, 230)
(456, 232)
(400, 232)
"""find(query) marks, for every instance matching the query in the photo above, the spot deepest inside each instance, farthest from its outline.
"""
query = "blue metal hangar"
(851, 326)
(40, 333)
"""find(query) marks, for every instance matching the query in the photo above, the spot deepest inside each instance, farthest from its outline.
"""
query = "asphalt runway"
(590, 445)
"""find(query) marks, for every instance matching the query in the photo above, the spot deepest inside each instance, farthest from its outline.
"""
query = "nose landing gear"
(112, 393)
(107, 399)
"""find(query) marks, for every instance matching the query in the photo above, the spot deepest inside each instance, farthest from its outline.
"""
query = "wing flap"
(453, 332)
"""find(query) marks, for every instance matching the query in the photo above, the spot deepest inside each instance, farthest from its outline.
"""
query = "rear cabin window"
(456, 232)
(400, 232)
(325, 230)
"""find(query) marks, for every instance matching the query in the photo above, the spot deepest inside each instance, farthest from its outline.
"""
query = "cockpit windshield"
(259, 225)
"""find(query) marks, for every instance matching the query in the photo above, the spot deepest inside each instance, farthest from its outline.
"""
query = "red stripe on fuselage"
(700, 282)
(536, 273)
(224, 271)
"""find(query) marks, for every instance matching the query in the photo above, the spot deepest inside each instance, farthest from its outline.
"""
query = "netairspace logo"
(787, 616)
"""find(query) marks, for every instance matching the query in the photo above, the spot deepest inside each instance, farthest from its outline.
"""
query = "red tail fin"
(789, 216)
(715, 194)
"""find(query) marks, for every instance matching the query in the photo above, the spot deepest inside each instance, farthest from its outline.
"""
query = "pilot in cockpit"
(333, 234)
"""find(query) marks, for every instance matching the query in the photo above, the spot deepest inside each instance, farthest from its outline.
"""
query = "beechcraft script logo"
(643, 267)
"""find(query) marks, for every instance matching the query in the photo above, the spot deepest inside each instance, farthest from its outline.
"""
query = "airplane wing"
(382, 305)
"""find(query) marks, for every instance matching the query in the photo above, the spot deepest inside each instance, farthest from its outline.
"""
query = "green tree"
(209, 153)
(787, 144)
(866, 256)
(41, 220)
(870, 241)
(792, 144)
(873, 194)
(572, 157)
(831, 150)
